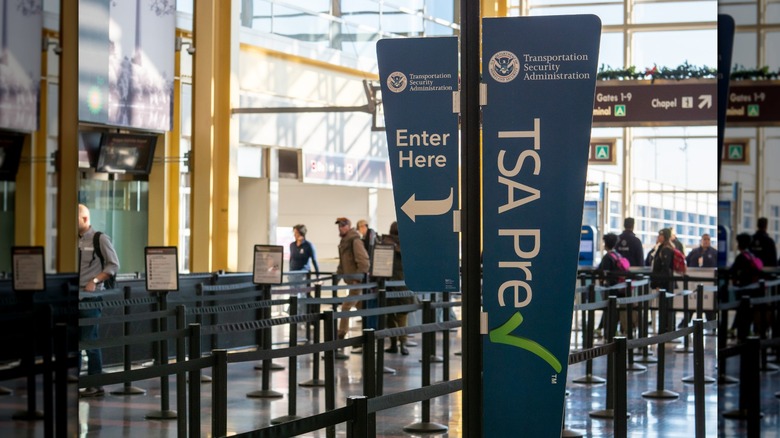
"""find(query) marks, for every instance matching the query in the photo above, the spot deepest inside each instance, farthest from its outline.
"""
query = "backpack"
(756, 263)
(109, 283)
(678, 263)
(621, 264)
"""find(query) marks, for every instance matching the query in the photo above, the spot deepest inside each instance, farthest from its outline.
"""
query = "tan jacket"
(353, 257)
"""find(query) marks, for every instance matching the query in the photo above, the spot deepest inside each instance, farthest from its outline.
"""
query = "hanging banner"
(540, 76)
(419, 78)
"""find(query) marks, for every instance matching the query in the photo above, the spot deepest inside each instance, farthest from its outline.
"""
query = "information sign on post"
(383, 261)
(162, 268)
(540, 77)
(268, 264)
(29, 273)
(419, 79)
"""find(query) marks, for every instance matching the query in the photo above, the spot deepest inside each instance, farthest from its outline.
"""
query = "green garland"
(741, 73)
(683, 71)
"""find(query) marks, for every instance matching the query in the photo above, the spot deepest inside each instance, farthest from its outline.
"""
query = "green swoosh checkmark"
(501, 335)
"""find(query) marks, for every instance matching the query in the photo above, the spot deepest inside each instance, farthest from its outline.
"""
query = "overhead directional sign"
(753, 103)
(540, 76)
(419, 79)
(689, 102)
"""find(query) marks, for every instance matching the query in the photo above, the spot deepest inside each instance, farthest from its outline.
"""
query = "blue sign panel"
(540, 74)
(587, 246)
(419, 77)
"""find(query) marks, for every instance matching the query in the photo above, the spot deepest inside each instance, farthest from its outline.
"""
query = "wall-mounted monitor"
(89, 148)
(126, 153)
(10, 153)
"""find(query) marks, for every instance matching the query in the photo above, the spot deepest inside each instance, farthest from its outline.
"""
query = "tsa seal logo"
(504, 66)
(397, 82)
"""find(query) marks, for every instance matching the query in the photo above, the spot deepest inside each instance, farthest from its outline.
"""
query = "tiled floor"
(124, 416)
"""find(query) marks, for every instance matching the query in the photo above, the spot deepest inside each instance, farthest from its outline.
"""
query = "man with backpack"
(98, 267)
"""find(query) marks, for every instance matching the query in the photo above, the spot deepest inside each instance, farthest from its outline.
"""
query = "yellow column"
(493, 8)
(158, 194)
(67, 175)
(225, 156)
(214, 178)
(202, 136)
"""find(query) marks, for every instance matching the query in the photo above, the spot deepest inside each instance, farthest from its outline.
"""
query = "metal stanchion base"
(205, 379)
(646, 359)
(161, 415)
(274, 367)
(739, 414)
(589, 379)
(725, 379)
(340, 355)
(458, 353)
(603, 413)
(388, 370)
(769, 367)
(683, 349)
(28, 416)
(410, 343)
(424, 427)
(636, 367)
(129, 390)
(285, 419)
(435, 359)
(707, 379)
(72, 379)
(312, 383)
(264, 393)
(571, 433)
(5, 391)
(662, 394)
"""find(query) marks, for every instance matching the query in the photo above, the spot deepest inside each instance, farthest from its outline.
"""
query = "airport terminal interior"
(235, 149)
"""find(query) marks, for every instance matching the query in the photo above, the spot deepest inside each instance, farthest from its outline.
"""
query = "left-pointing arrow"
(414, 208)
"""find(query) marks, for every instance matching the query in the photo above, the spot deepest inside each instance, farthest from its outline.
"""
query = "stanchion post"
(621, 399)
(369, 371)
(445, 343)
(60, 380)
(194, 381)
(219, 394)
(292, 371)
(44, 321)
(181, 378)
(316, 338)
(660, 392)
(330, 364)
(428, 317)
(698, 375)
(127, 388)
(359, 427)
(266, 339)
(165, 412)
(750, 381)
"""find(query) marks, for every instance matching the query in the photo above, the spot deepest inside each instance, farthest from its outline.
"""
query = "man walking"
(99, 263)
(763, 246)
(353, 259)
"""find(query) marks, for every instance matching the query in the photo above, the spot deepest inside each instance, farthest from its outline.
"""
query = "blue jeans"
(90, 333)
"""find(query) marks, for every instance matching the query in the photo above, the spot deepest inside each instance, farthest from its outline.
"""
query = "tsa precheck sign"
(419, 79)
(540, 78)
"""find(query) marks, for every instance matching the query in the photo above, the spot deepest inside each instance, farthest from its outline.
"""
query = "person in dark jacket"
(629, 246)
(704, 256)
(396, 319)
(353, 259)
(662, 261)
(763, 246)
(744, 272)
(302, 257)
